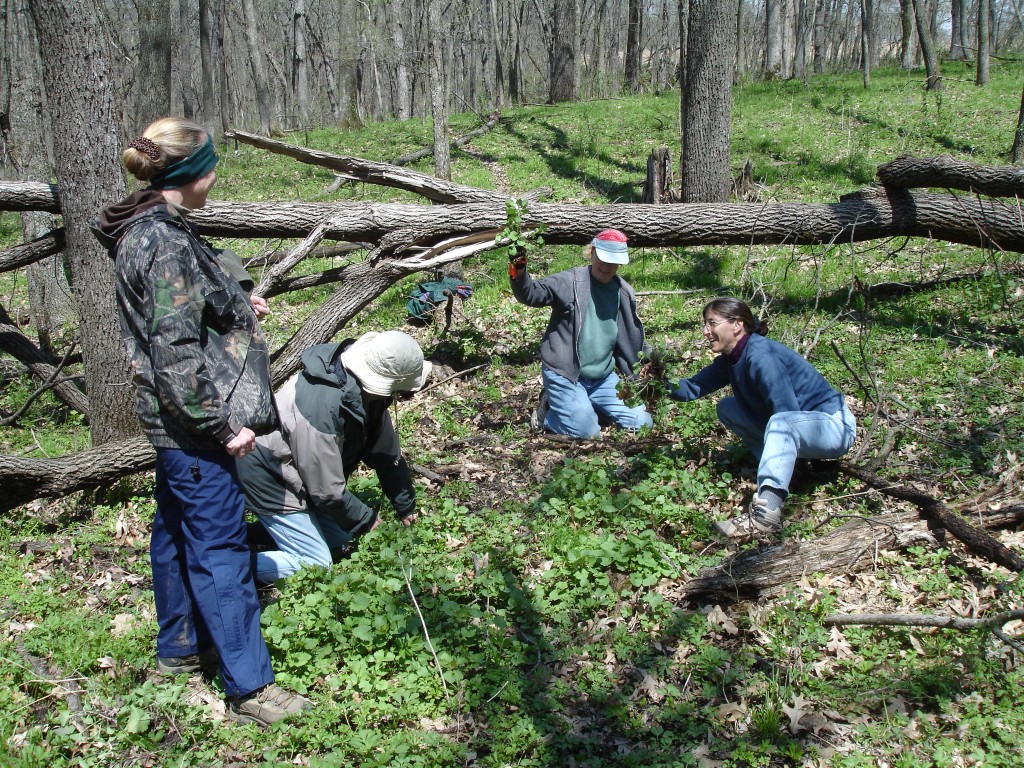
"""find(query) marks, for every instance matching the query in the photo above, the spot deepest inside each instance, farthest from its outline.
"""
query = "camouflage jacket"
(198, 356)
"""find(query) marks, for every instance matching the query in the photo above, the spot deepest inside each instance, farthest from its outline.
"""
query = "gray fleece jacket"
(568, 295)
(327, 429)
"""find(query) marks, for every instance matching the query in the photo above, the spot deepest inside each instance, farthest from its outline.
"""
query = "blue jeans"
(573, 409)
(303, 539)
(202, 574)
(778, 442)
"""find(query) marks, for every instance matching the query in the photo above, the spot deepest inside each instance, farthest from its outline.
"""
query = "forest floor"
(542, 611)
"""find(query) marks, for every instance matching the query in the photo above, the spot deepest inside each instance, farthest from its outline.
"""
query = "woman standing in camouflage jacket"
(200, 366)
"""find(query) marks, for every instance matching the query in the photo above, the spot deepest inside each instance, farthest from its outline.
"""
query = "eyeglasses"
(712, 324)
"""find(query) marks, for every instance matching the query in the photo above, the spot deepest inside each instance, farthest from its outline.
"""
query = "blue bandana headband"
(188, 169)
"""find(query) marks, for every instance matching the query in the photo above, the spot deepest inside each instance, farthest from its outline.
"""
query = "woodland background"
(558, 604)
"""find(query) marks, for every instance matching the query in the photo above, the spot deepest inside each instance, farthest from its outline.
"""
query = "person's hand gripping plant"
(517, 241)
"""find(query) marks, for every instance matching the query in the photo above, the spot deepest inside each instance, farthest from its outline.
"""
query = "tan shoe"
(266, 706)
(758, 520)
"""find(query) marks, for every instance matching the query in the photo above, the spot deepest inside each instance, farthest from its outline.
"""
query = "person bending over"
(781, 407)
(334, 415)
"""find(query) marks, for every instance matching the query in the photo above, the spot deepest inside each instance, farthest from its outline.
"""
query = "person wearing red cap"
(593, 335)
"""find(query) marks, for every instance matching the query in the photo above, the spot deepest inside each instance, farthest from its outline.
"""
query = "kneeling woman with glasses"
(781, 407)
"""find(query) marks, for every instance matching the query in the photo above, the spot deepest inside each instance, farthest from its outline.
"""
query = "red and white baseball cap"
(610, 247)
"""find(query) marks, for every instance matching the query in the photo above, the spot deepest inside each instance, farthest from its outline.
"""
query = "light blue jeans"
(303, 539)
(573, 409)
(788, 436)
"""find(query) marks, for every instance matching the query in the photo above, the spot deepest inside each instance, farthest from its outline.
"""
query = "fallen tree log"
(35, 250)
(382, 174)
(846, 549)
(866, 215)
(26, 479)
(947, 172)
(29, 196)
(419, 154)
(873, 213)
(933, 510)
(19, 346)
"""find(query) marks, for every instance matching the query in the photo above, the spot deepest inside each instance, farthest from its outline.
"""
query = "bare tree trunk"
(804, 23)
(867, 34)
(153, 93)
(222, 68)
(742, 54)
(634, 10)
(80, 92)
(563, 45)
(500, 88)
(907, 53)
(982, 74)
(403, 99)
(710, 57)
(27, 157)
(931, 60)
(300, 63)
(957, 49)
(684, 25)
(259, 72)
(348, 62)
(774, 15)
(438, 95)
(820, 21)
(208, 54)
(1017, 150)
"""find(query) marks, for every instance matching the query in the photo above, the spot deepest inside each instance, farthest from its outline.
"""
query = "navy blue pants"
(202, 572)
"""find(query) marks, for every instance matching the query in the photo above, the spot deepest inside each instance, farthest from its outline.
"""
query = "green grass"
(548, 576)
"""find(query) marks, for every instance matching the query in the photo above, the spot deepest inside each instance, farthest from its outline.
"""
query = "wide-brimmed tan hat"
(386, 363)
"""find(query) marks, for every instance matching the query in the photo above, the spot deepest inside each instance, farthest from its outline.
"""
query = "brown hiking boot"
(266, 706)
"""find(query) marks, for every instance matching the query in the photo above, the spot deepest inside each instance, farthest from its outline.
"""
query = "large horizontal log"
(871, 214)
(947, 172)
(29, 196)
(26, 479)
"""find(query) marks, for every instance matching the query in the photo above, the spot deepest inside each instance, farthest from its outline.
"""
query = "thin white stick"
(423, 624)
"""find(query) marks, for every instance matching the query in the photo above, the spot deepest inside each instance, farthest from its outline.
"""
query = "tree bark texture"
(28, 479)
(933, 73)
(19, 346)
(80, 94)
(564, 45)
(948, 172)
(872, 213)
(50, 244)
(710, 58)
